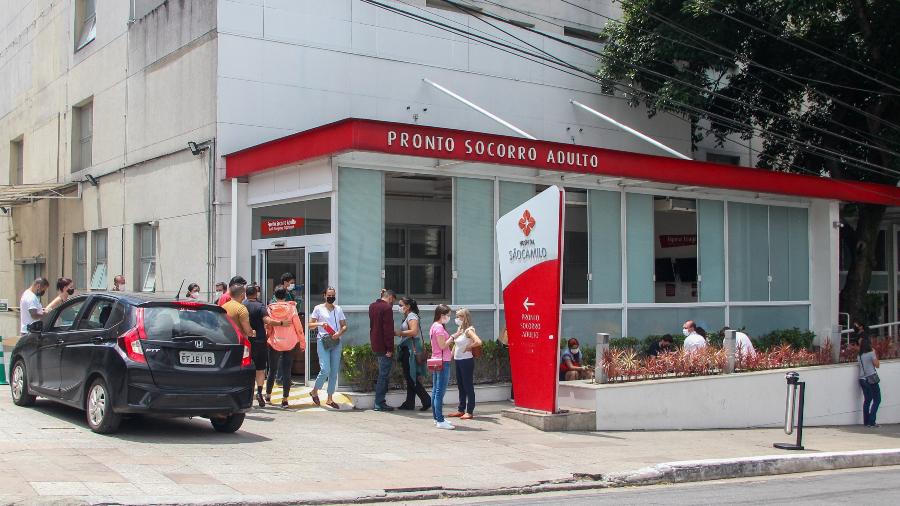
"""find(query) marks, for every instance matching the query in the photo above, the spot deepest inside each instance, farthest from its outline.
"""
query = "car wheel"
(19, 385)
(229, 423)
(98, 408)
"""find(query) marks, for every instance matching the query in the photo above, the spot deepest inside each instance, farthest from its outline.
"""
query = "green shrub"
(625, 342)
(796, 338)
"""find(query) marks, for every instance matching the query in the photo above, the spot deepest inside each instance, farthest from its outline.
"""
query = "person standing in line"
(410, 347)
(193, 292)
(30, 304)
(464, 339)
(287, 282)
(869, 381)
(235, 281)
(221, 288)
(284, 332)
(118, 283)
(66, 288)
(441, 340)
(259, 317)
(693, 341)
(381, 336)
(331, 324)
(237, 311)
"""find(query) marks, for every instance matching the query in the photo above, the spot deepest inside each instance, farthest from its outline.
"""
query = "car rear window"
(166, 323)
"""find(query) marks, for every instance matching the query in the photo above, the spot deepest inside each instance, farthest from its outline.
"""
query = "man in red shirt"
(381, 336)
(237, 280)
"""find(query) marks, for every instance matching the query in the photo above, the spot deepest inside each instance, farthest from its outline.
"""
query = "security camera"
(195, 148)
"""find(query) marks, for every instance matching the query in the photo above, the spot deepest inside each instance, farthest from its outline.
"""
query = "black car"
(113, 354)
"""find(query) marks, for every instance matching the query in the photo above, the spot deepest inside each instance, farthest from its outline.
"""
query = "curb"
(668, 472)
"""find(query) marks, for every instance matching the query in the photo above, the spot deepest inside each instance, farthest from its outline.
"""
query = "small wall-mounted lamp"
(837, 224)
(91, 179)
(196, 149)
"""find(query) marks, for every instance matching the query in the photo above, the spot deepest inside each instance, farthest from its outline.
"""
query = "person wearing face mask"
(571, 365)
(331, 324)
(287, 282)
(464, 339)
(30, 303)
(410, 350)
(693, 341)
(192, 292)
(440, 352)
(65, 288)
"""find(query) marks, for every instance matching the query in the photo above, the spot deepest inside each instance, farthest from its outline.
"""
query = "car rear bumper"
(143, 398)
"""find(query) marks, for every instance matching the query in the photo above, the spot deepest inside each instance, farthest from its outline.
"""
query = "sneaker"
(384, 407)
(445, 425)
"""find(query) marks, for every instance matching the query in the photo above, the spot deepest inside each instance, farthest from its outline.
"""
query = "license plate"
(197, 358)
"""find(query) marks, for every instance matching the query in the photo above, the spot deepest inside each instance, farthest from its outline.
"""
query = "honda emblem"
(198, 344)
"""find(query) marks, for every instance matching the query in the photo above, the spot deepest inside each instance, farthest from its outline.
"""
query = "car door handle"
(97, 339)
(60, 341)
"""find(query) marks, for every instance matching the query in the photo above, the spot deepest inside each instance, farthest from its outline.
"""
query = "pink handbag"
(435, 364)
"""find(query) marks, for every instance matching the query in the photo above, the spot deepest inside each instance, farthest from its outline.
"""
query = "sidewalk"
(314, 454)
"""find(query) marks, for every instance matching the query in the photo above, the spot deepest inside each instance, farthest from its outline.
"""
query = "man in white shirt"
(692, 340)
(743, 343)
(30, 303)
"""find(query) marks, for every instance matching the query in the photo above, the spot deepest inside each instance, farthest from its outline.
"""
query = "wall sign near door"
(272, 226)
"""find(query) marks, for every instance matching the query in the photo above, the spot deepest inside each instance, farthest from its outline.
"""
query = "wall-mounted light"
(837, 224)
(91, 179)
(196, 149)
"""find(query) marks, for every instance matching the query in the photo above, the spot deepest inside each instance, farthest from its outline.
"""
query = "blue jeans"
(439, 382)
(384, 372)
(871, 401)
(329, 366)
(465, 382)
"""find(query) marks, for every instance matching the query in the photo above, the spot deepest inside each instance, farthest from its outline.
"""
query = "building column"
(824, 268)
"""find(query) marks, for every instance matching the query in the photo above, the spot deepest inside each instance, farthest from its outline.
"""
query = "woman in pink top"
(282, 339)
(440, 349)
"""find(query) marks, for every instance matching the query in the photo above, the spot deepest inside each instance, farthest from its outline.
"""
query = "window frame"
(146, 264)
(83, 144)
(85, 24)
(97, 261)
(408, 261)
(17, 161)
(79, 260)
(58, 313)
(110, 323)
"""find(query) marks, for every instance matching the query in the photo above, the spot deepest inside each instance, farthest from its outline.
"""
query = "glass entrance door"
(309, 266)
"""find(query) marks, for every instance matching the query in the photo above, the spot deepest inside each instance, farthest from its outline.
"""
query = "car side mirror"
(37, 326)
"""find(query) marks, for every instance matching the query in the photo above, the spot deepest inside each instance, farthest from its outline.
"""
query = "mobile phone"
(328, 328)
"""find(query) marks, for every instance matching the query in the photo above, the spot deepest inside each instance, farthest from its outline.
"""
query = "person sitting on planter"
(664, 345)
(571, 365)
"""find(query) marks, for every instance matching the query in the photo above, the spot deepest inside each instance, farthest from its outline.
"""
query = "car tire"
(229, 423)
(98, 408)
(18, 383)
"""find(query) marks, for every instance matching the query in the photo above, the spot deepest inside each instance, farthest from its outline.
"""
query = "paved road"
(856, 487)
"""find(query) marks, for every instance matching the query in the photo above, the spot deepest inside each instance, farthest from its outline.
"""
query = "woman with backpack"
(467, 345)
(868, 381)
(282, 338)
(412, 355)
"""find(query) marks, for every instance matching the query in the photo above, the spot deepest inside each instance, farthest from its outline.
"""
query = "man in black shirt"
(258, 350)
(665, 344)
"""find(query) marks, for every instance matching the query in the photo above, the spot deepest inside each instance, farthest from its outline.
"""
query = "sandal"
(315, 399)
(334, 405)
(467, 416)
(458, 414)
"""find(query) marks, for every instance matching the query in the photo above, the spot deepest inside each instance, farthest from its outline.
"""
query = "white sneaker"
(445, 425)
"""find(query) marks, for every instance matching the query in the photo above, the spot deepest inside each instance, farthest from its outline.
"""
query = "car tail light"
(189, 304)
(130, 341)
(246, 360)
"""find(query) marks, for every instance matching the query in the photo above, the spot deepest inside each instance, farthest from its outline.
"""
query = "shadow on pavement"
(147, 428)
(892, 430)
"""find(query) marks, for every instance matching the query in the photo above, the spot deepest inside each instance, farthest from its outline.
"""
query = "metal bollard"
(602, 348)
(795, 389)
(730, 346)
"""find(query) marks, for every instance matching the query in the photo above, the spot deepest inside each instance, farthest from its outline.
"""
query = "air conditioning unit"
(675, 205)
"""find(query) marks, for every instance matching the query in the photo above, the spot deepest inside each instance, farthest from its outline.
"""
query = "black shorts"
(259, 352)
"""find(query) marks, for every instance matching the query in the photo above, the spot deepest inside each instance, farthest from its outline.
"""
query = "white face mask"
(291, 287)
(574, 350)
(686, 332)
(458, 322)
(445, 319)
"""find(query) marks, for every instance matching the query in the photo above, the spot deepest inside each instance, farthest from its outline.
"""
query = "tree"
(817, 80)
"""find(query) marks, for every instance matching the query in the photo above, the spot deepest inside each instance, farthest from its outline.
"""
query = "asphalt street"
(857, 487)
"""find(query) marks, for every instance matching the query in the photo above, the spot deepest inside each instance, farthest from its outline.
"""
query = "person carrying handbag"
(869, 381)
(439, 364)
(467, 346)
(412, 356)
(282, 338)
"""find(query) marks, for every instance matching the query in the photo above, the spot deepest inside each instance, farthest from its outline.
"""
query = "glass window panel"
(575, 254)
(98, 278)
(80, 260)
(482, 320)
(426, 280)
(474, 241)
(512, 195)
(310, 217)
(639, 241)
(426, 243)
(789, 253)
(360, 234)
(761, 320)
(66, 316)
(655, 322)
(395, 243)
(711, 245)
(584, 324)
(748, 252)
(605, 210)
(148, 276)
(395, 275)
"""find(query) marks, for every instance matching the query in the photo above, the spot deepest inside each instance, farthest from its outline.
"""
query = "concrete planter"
(741, 400)
(483, 393)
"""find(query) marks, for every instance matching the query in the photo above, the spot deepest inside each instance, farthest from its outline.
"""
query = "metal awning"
(18, 194)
